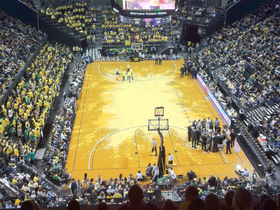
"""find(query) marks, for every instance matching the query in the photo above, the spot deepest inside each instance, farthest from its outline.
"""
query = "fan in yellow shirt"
(16, 153)
(14, 181)
(4, 110)
(42, 119)
(39, 103)
(37, 133)
(29, 107)
(15, 106)
(25, 117)
(30, 93)
(9, 104)
(14, 122)
(46, 89)
(47, 104)
(9, 150)
(6, 122)
(20, 112)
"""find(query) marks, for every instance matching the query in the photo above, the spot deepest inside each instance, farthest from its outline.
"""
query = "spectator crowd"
(56, 153)
(18, 42)
(116, 32)
(26, 109)
(80, 18)
(250, 47)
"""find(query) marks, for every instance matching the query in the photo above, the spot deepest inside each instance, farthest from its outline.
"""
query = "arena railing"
(214, 101)
(49, 176)
(225, 89)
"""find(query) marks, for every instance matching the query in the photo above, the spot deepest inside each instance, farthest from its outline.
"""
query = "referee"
(170, 160)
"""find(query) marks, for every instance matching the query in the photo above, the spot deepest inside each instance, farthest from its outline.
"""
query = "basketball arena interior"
(140, 104)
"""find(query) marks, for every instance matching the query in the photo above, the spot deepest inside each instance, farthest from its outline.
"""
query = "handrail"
(232, 5)
(28, 6)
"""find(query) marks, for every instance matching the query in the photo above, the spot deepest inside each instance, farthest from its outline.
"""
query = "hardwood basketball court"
(111, 136)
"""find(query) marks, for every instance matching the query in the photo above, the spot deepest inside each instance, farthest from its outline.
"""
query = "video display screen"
(158, 21)
(148, 21)
(137, 21)
(151, 5)
(144, 21)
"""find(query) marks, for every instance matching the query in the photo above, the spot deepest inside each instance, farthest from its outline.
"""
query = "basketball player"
(182, 72)
(154, 146)
(193, 135)
(215, 141)
(189, 132)
(208, 123)
(123, 75)
(204, 140)
(209, 143)
(128, 75)
(131, 73)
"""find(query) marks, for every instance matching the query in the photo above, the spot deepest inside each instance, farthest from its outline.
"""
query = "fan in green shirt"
(57, 178)
(32, 157)
(26, 158)
(32, 139)
(55, 166)
(26, 136)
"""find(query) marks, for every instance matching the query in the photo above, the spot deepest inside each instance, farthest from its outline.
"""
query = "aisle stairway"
(98, 25)
(220, 70)
(167, 30)
(170, 43)
(258, 113)
(60, 30)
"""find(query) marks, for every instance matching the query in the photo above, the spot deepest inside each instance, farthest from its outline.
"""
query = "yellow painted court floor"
(111, 136)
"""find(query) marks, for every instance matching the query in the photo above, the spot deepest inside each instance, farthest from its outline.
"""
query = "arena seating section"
(244, 59)
(250, 51)
(18, 42)
(80, 18)
(116, 32)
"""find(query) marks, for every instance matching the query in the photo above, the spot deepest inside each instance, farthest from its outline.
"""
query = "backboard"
(137, 45)
(159, 112)
(153, 124)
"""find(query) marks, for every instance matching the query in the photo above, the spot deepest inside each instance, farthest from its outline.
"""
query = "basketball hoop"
(158, 124)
